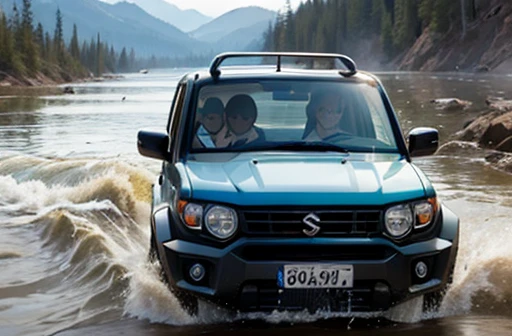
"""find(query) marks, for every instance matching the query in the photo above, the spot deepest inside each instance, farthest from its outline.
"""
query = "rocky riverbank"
(490, 134)
(486, 46)
(41, 84)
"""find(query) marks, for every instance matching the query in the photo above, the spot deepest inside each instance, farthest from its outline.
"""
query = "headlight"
(221, 222)
(399, 220)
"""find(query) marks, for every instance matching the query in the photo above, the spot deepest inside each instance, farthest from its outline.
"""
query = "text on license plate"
(316, 276)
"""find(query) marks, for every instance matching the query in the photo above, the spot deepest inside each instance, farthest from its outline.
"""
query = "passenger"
(241, 114)
(324, 113)
(211, 122)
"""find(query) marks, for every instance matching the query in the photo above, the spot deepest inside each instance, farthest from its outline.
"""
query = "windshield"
(292, 115)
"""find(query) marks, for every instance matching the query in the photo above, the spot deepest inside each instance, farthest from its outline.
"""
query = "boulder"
(500, 160)
(497, 132)
(461, 148)
(505, 145)
(69, 90)
(475, 129)
(499, 104)
(451, 104)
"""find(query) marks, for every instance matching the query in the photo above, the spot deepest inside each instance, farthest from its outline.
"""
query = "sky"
(215, 8)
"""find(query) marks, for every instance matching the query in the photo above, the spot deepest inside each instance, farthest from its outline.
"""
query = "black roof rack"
(347, 61)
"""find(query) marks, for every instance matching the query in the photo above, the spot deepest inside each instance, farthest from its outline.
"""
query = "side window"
(378, 116)
(176, 114)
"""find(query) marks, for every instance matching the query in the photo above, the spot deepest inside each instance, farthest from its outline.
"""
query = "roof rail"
(347, 61)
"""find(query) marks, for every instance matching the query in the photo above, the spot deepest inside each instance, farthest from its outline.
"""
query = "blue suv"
(287, 184)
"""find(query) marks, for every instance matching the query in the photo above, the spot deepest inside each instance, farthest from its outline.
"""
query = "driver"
(324, 116)
(241, 114)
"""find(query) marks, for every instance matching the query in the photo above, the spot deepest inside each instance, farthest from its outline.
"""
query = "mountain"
(237, 29)
(244, 39)
(122, 24)
(185, 20)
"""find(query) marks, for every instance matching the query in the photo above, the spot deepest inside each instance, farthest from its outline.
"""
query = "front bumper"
(244, 275)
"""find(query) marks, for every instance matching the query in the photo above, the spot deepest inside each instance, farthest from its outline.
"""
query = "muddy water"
(74, 207)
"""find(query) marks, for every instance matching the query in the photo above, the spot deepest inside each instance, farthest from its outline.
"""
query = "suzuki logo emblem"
(310, 221)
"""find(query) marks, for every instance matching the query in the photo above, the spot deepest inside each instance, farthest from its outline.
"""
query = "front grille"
(360, 223)
(310, 252)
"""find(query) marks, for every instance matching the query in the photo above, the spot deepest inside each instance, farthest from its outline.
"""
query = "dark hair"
(242, 104)
(213, 105)
(315, 100)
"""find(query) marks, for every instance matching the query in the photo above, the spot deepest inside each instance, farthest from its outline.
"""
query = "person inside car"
(324, 113)
(211, 124)
(241, 114)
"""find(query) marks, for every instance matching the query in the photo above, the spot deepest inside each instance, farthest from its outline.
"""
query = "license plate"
(316, 276)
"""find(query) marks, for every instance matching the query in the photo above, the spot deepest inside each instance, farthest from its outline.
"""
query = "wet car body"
(303, 239)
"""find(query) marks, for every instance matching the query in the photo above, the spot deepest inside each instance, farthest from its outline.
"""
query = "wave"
(34, 183)
(85, 227)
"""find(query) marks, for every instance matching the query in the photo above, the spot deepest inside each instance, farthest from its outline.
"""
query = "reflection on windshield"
(274, 114)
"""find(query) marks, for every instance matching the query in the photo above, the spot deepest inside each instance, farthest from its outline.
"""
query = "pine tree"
(441, 14)
(359, 17)
(113, 59)
(131, 61)
(29, 53)
(330, 18)
(84, 53)
(341, 26)
(426, 7)
(100, 66)
(58, 39)
(268, 44)
(123, 61)
(406, 23)
(39, 37)
(74, 48)
(49, 53)
(279, 32)
(7, 42)
(377, 8)
(387, 33)
(16, 31)
(3, 31)
(289, 34)
(91, 56)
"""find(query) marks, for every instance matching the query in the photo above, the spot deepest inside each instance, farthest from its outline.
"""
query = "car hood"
(356, 179)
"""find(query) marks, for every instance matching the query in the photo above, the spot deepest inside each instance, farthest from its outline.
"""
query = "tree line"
(341, 26)
(27, 50)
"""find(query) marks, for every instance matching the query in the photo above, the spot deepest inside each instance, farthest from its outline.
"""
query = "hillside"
(122, 24)
(486, 45)
(441, 35)
(244, 39)
(185, 20)
(235, 20)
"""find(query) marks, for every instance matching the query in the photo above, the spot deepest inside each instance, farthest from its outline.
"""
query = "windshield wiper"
(308, 146)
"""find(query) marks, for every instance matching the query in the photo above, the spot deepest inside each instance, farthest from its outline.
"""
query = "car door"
(170, 179)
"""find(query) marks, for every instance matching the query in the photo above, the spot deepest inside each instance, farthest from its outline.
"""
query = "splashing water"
(75, 237)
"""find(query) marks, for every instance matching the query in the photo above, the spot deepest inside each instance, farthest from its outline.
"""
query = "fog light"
(197, 272)
(421, 270)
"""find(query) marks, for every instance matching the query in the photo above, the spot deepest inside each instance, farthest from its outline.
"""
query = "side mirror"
(423, 141)
(153, 144)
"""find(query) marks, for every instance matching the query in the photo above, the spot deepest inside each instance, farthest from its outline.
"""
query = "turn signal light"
(191, 213)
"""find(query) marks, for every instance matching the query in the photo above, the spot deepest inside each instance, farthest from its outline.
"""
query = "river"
(74, 208)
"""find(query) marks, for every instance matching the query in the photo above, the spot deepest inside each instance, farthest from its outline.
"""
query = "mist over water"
(75, 203)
